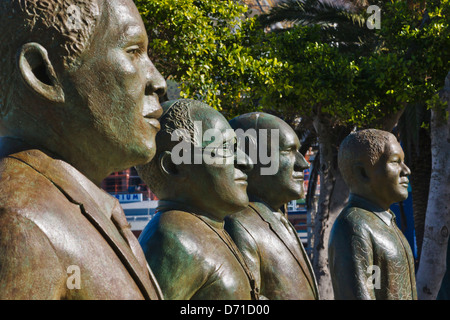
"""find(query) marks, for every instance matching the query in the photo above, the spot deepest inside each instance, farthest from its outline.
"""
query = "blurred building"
(136, 199)
(260, 6)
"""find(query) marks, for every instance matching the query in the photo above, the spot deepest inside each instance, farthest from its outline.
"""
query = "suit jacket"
(189, 258)
(61, 237)
(274, 253)
(369, 257)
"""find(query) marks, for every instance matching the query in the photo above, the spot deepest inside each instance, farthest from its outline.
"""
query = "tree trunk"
(437, 222)
(420, 184)
(333, 196)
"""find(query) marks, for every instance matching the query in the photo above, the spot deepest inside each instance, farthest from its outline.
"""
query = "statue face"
(287, 183)
(217, 189)
(115, 102)
(388, 178)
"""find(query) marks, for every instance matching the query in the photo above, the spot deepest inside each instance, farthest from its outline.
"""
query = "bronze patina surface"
(369, 256)
(266, 238)
(185, 244)
(78, 100)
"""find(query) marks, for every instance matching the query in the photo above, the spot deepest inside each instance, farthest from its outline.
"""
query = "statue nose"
(405, 169)
(155, 81)
(242, 161)
(300, 162)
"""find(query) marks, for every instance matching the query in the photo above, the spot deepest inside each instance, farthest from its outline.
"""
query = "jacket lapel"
(102, 210)
(288, 236)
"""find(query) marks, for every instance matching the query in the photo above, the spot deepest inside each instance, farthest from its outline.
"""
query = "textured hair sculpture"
(360, 146)
(67, 25)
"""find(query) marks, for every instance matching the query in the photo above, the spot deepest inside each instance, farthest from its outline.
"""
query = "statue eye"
(289, 150)
(223, 150)
(134, 50)
(396, 160)
(226, 150)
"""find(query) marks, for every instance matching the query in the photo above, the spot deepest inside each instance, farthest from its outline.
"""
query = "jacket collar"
(357, 201)
(297, 250)
(100, 209)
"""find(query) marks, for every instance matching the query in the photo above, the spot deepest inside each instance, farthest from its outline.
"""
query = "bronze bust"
(185, 243)
(369, 257)
(266, 238)
(78, 100)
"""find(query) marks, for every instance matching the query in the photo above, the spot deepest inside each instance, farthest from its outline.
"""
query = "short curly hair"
(178, 116)
(63, 27)
(361, 147)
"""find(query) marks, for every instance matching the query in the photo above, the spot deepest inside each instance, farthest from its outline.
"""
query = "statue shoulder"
(179, 230)
(26, 251)
(25, 190)
(247, 214)
(245, 221)
(178, 250)
(352, 221)
(179, 222)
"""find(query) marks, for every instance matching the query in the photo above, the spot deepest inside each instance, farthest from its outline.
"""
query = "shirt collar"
(358, 201)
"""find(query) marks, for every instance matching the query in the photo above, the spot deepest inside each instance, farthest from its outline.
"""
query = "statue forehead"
(125, 10)
(372, 139)
(370, 146)
(392, 146)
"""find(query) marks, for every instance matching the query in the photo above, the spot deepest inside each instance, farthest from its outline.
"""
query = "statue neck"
(253, 198)
(166, 205)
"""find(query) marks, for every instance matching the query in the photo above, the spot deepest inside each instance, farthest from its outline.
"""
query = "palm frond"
(309, 12)
(341, 24)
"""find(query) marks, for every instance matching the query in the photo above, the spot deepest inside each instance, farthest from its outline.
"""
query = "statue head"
(277, 179)
(372, 164)
(76, 81)
(195, 163)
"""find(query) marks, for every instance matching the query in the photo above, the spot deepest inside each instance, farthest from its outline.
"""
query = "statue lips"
(240, 177)
(297, 175)
(153, 122)
(153, 111)
(404, 182)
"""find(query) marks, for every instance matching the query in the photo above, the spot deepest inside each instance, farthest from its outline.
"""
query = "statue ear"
(166, 164)
(360, 173)
(38, 73)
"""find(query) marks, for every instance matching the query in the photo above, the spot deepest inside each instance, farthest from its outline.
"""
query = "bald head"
(273, 146)
(257, 121)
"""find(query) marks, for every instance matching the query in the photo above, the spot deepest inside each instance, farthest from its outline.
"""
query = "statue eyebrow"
(395, 155)
(133, 33)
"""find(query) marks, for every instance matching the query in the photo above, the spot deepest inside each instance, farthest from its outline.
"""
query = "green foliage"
(440, 108)
(221, 56)
(322, 79)
(407, 66)
(205, 46)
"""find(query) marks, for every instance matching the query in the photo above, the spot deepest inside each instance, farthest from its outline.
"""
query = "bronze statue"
(78, 100)
(266, 238)
(369, 257)
(198, 182)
